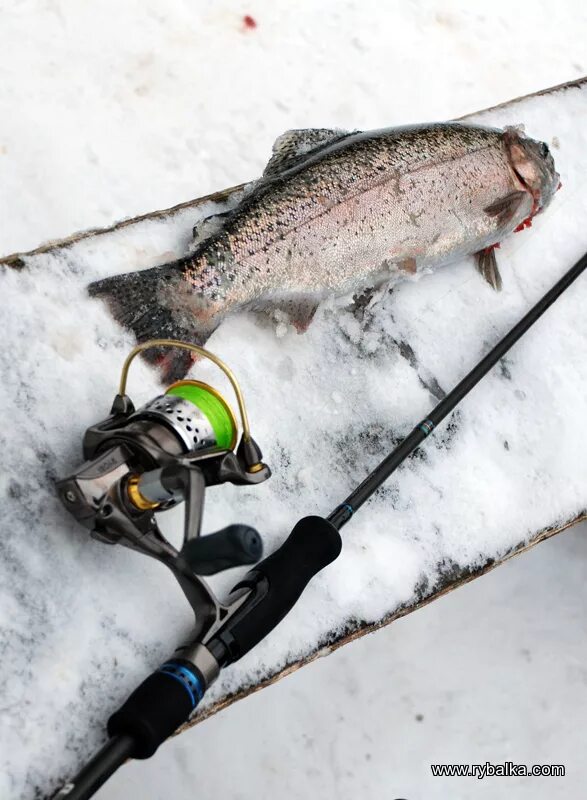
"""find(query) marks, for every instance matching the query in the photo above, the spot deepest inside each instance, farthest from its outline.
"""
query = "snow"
(83, 623)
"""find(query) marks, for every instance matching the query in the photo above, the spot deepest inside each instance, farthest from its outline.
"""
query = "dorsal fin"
(293, 146)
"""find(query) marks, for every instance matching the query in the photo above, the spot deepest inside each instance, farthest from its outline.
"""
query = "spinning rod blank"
(341, 515)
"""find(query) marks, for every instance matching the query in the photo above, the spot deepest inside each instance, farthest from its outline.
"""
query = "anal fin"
(299, 311)
(207, 227)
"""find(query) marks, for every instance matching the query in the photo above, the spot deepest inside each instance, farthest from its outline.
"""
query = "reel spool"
(139, 462)
(199, 413)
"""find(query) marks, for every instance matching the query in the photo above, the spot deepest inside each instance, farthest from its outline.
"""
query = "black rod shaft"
(97, 771)
(342, 513)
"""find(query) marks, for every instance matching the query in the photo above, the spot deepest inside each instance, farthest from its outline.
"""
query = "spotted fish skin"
(337, 212)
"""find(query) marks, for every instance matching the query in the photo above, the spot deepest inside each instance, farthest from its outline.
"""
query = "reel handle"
(276, 584)
(230, 547)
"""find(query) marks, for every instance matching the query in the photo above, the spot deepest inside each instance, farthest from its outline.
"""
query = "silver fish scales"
(337, 212)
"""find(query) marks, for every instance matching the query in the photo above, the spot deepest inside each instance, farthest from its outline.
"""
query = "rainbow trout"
(337, 212)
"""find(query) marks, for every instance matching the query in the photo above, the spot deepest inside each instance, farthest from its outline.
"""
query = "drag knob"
(229, 547)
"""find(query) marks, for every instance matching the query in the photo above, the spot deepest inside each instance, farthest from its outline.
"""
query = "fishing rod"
(143, 461)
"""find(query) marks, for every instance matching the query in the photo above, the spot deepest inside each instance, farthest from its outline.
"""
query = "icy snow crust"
(82, 623)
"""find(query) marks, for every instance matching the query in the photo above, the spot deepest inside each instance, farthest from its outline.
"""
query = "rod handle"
(156, 708)
(276, 584)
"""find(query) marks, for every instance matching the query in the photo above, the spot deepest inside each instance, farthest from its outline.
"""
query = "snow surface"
(513, 463)
(81, 626)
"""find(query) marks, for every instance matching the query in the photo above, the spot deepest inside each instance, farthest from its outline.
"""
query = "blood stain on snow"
(249, 22)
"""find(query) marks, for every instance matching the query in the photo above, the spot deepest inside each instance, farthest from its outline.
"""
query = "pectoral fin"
(487, 266)
(506, 207)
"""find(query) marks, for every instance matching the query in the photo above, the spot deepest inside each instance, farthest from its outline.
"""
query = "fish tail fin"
(143, 303)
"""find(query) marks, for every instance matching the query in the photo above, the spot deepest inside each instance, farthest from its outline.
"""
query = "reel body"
(143, 461)
(140, 462)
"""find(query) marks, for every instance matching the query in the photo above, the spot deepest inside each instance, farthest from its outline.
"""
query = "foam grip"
(277, 583)
(152, 713)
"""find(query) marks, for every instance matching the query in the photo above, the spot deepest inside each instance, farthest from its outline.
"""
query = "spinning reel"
(143, 461)
(140, 462)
